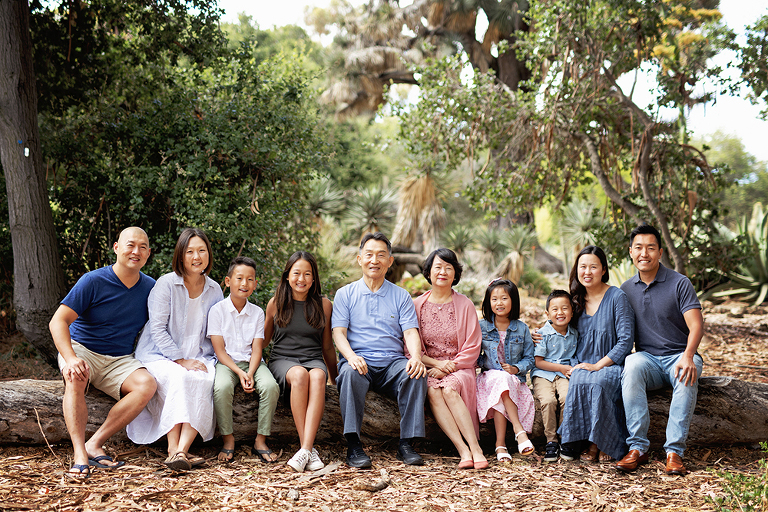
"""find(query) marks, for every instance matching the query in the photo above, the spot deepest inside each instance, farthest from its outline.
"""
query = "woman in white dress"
(176, 351)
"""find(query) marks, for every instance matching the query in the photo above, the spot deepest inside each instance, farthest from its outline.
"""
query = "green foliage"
(743, 491)
(748, 177)
(371, 209)
(459, 239)
(534, 282)
(415, 285)
(224, 147)
(489, 241)
(472, 288)
(754, 63)
(750, 279)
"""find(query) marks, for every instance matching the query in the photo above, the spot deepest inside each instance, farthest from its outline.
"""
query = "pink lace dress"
(439, 334)
(492, 384)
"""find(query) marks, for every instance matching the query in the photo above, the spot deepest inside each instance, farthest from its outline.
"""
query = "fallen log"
(728, 411)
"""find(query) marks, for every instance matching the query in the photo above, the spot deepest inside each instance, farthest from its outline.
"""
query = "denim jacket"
(518, 347)
(168, 304)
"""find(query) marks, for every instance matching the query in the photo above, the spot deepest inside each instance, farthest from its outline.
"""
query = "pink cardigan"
(470, 342)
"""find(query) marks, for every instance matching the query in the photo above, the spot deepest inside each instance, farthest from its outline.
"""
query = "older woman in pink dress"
(450, 334)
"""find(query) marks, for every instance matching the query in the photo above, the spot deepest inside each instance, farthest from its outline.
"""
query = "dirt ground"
(32, 478)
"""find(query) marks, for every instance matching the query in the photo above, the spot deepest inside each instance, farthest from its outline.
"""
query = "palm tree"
(371, 208)
(577, 227)
(489, 242)
(521, 241)
(324, 198)
(459, 238)
(419, 211)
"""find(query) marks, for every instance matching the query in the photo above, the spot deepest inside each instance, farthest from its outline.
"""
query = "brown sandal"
(178, 462)
(590, 454)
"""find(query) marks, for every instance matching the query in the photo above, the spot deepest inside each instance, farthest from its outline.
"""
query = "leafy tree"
(375, 44)
(754, 63)
(148, 119)
(575, 125)
(747, 175)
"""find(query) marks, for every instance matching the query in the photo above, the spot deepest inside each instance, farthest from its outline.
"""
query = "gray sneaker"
(314, 461)
(299, 460)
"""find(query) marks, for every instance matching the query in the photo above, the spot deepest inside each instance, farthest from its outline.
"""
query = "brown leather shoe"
(631, 461)
(675, 464)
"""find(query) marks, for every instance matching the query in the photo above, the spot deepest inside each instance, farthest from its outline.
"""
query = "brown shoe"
(631, 461)
(675, 464)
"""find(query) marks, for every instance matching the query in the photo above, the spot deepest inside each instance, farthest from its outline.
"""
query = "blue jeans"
(643, 372)
(392, 381)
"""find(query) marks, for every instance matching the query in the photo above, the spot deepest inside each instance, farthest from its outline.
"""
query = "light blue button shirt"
(555, 348)
(375, 321)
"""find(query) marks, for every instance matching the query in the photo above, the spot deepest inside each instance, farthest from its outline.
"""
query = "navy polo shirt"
(659, 307)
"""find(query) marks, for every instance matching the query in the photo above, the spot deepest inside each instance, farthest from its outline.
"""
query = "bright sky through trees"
(729, 114)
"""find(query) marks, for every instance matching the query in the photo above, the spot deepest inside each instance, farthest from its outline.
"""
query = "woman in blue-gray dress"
(606, 323)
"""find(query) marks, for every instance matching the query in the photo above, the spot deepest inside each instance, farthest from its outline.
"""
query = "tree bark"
(39, 281)
(728, 411)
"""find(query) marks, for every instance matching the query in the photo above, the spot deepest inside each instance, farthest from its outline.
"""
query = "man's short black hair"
(645, 229)
(554, 294)
(376, 236)
(447, 256)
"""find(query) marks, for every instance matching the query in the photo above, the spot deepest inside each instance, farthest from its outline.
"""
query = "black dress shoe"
(406, 454)
(357, 458)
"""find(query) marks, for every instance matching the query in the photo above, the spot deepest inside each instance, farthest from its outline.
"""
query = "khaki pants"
(264, 385)
(549, 394)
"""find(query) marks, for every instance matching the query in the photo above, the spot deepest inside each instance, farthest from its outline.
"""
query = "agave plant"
(751, 278)
(618, 274)
(458, 239)
(324, 198)
(520, 241)
(371, 208)
(577, 225)
(488, 241)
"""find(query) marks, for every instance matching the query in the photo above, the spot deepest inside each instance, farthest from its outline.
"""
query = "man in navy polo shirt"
(94, 330)
(372, 321)
(669, 328)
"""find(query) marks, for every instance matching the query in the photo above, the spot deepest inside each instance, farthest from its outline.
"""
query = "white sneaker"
(314, 461)
(299, 460)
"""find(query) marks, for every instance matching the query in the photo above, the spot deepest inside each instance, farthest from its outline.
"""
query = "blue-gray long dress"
(593, 408)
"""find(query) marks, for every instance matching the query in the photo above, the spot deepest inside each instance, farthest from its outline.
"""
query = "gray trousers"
(392, 381)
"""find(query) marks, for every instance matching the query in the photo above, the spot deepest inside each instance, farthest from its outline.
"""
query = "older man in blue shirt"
(669, 328)
(372, 321)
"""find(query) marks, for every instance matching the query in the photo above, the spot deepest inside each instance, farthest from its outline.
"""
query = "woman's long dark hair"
(578, 292)
(313, 307)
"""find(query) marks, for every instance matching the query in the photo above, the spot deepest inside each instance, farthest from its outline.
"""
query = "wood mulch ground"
(33, 478)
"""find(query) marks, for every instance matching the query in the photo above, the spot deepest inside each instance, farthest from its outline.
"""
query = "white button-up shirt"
(238, 328)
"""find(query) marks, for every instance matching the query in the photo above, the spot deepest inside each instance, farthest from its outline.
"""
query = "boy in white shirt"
(236, 329)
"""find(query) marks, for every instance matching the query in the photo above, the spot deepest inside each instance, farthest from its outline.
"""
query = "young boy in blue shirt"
(554, 354)
(236, 328)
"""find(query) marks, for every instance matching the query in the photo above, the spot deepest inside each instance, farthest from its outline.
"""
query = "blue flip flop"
(96, 462)
(83, 472)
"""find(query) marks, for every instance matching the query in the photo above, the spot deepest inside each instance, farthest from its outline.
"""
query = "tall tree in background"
(573, 124)
(38, 277)
(377, 44)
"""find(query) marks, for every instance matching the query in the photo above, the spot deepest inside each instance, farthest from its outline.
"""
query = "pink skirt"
(492, 384)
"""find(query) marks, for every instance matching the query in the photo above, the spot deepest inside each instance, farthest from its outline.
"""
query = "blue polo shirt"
(555, 348)
(109, 315)
(660, 327)
(375, 321)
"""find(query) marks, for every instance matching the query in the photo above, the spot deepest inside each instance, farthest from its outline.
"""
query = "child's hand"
(512, 370)
(247, 382)
(567, 370)
(536, 336)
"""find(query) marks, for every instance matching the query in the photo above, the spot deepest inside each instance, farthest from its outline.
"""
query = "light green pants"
(224, 385)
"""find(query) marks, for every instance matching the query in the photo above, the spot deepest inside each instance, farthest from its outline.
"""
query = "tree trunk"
(39, 281)
(728, 411)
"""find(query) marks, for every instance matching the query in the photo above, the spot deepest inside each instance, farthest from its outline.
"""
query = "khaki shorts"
(107, 372)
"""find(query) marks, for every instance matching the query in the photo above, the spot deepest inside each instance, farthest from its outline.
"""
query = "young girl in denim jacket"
(506, 357)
